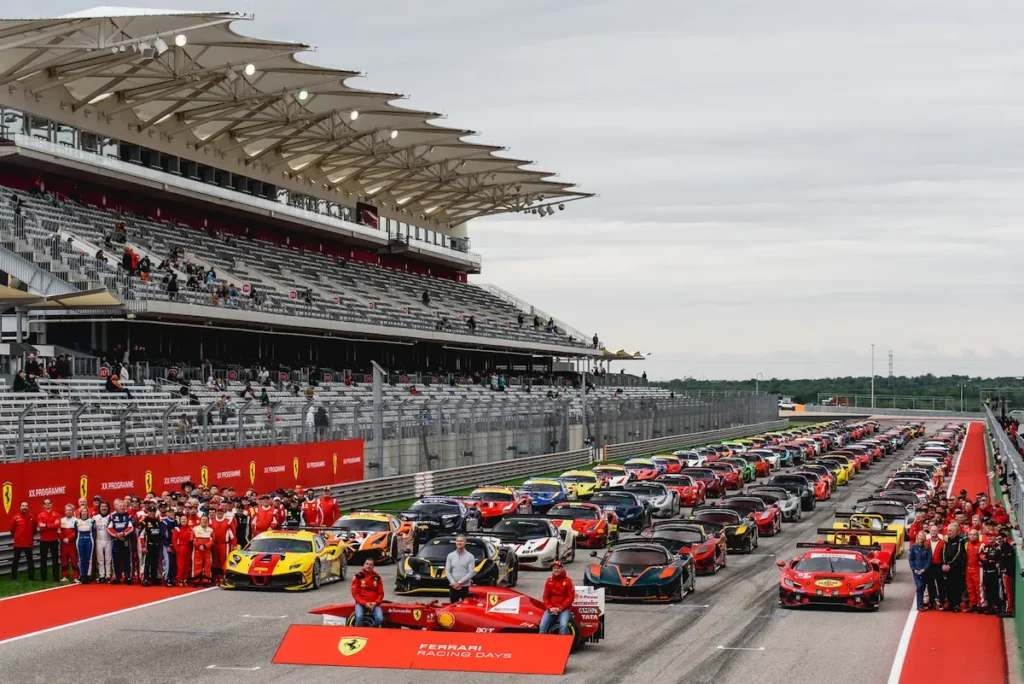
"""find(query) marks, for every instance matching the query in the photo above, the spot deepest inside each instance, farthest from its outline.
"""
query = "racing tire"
(514, 579)
(393, 551)
(316, 574)
(756, 540)
(677, 595)
(367, 621)
(343, 563)
(725, 560)
(572, 552)
(693, 581)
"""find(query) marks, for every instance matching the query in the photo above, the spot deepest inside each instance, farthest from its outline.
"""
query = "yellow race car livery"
(286, 559)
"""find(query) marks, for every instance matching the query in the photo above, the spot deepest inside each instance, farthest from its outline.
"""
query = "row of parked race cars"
(733, 492)
(849, 563)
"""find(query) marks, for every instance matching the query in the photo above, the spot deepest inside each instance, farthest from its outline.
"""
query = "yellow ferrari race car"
(582, 484)
(292, 560)
(883, 531)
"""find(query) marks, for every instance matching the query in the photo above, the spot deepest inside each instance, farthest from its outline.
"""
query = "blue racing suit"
(122, 524)
(85, 536)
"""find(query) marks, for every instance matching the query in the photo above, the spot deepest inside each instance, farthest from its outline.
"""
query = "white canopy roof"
(191, 72)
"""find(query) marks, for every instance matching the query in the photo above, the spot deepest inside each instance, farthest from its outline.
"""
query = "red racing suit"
(311, 515)
(329, 511)
(223, 538)
(202, 554)
(182, 538)
(973, 574)
(265, 519)
(68, 552)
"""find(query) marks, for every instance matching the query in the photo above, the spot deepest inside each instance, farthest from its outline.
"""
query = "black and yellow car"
(424, 573)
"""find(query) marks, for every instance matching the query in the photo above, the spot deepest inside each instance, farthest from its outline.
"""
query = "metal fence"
(416, 434)
(909, 402)
(1010, 455)
(886, 411)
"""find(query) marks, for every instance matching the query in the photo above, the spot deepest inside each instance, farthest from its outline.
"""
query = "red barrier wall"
(262, 468)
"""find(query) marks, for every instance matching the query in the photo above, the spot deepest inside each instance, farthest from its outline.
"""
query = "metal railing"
(1009, 454)
(887, 411)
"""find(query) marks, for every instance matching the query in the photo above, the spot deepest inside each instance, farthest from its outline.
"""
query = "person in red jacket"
(999, 515)
(559, 593)
(368, 592)
(973, 548)
(202, 552)
(933, 575)
(329, 511)
(310, 507)
(68, 551)
(266, 517)
(181, 538)
(23, 529)
(223, 539)
(48, 522)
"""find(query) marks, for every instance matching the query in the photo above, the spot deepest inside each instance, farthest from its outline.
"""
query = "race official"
(459, 568)
(23, 529)
(368, 592)
(559, 593)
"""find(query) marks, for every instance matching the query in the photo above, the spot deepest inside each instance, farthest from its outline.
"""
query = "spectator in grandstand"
(551, 324)
(36, 189)
(123, 373)
(368, 593)
(30, 384)
(32, 365)
(264, 398)
(172, 285)
(536, 321)
(471, 324)
(426, 298)
(20, 382)
(413, 391)
(595, 341)
(520, 318)
(23, 531)
(114, 385)
(101, 257)
(18, 203)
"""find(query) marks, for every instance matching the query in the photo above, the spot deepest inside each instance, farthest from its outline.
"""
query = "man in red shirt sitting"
(559, 593)
(368, 592)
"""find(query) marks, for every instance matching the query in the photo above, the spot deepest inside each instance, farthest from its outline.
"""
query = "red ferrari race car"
(831, 575)
(642, 468)
(691, 491)
(667, 464)
(594, 527)
(708, 550)
(494, 503)
(732, 474)
(767, 516)
(881, 548)
(822, 485)
(487, 609)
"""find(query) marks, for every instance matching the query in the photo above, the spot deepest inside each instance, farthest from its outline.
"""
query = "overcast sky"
(781, 183)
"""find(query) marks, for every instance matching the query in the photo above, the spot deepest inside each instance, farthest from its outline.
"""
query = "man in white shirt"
(459, 567)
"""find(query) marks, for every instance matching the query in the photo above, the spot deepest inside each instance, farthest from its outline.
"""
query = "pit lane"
(730, 630)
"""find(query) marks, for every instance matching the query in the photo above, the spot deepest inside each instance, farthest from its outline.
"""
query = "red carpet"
(946, 647)
(55, 608)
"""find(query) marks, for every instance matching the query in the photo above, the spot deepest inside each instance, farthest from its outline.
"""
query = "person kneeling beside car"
(368, 592)
(559, 593)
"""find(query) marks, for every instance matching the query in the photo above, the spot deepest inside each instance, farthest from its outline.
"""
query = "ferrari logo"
(334, 461)
(492, 599)
(252, 472)
(8, 496)
(149, 481)
(349, 646)
(295, 467)
(204, 476)
(416, 614)
(83, 487)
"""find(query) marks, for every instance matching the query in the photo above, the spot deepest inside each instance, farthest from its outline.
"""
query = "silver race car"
(788, 502)
(664, 502)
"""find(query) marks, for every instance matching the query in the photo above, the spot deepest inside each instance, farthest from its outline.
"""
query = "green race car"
(749, 469)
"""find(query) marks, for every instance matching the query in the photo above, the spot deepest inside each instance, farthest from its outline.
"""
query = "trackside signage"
(262, 468)
(402, 649)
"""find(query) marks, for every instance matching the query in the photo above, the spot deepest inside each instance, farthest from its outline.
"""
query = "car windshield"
(279, 545)
(609, 499)
(430, 508)
(886, 510)
(701, 472)
(788, 480)
(541, 487)
(522, 529)
(745, 505)
(493, 496)
(676, 480)
(721, 467)
(605, 470)
(830, 562)
(686, 536)
(717, 517)
(439, 549)
(644, 490)
(574, 513)
(751, 457)
(578, 478)
(638, 466)
(637, 559)
(361, 525)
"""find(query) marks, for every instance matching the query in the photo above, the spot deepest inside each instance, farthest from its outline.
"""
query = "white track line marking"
(908, 628)
(679, 605)
(38, 591)
(739, 648)
(105, 615)
(266, 617)
(229, 667)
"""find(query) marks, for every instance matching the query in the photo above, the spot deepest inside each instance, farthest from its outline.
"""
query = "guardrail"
(883, 411)
(387, 489)
(1014, 464)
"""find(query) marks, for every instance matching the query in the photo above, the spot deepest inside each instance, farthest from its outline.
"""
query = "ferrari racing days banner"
(262, 468)
(424, 650)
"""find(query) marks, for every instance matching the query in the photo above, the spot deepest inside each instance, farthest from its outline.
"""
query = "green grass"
(22, 585)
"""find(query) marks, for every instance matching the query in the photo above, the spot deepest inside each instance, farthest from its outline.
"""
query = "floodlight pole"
(872, 376)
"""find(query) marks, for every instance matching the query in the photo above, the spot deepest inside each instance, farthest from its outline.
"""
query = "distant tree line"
(806, 391)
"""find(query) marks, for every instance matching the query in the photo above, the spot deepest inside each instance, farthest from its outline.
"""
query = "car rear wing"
(839, 547)
(847, 532)
(887, 517)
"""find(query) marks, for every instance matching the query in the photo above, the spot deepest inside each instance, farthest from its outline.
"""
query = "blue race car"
(634, 513)
(645, 571)
(544, 492)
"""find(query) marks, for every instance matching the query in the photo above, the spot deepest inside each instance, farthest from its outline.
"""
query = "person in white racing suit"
(104, 544)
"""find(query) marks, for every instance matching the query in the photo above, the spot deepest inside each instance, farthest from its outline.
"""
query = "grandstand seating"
(48, 428)
(341, 290)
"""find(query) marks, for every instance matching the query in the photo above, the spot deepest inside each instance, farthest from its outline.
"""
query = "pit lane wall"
(263, 468)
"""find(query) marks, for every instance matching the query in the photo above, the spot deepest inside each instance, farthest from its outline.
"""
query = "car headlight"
(866, 585)
(790, 583)
(296, 566)
(233, 561)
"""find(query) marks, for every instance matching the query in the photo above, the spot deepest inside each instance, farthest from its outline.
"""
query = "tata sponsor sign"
(263, 468)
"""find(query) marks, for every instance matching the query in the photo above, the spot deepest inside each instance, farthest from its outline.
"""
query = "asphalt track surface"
(730, 631)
